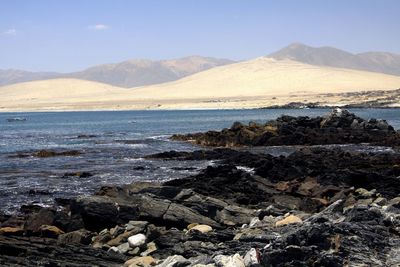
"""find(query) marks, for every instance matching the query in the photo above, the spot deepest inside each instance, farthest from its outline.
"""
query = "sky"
(70, 35)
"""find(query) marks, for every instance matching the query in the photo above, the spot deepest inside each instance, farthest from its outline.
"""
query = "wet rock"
(86, 136)
(33, 192)
(77, 174)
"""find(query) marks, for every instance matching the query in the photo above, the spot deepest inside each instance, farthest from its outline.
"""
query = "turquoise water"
(113, 148)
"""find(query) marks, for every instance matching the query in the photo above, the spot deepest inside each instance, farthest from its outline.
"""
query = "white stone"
(137, 240)
(202, 228)
(251, 258)
(255, 222)
(113, 249)
(229, 261)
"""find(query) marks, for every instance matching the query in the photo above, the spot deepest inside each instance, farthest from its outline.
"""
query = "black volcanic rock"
(338, 127)
(319, 206)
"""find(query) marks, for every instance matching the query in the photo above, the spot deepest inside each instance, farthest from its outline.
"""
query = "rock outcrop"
(338, 127)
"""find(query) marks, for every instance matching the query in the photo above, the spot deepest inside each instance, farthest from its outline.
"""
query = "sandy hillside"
(268, 77)
(58, 90)
(256, 83)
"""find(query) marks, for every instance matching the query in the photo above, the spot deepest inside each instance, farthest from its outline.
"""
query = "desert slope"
(268, 77)
(58, 90)
(256, 83)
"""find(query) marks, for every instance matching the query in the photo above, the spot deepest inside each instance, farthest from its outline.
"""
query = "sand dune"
(59, 90)
(255, 83)
(268, 77)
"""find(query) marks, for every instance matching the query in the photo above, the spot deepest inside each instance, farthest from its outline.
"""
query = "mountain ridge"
(127, 74)
(375, 61)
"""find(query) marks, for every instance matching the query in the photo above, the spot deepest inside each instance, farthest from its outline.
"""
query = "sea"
(113, 146)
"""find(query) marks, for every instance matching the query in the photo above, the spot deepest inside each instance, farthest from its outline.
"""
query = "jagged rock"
(337, 127)
(97, 212)
(137, 226)
(117, 230)
(358, 237)
(38, 251)
(81, 236)
(235, 215)
(50, 231)
(150, 248)
(36, 220)
(174, 261)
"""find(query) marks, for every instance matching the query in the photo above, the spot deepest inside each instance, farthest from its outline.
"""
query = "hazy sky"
(67, 35)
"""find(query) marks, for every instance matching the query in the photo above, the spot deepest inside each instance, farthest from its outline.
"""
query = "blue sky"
(69, 35)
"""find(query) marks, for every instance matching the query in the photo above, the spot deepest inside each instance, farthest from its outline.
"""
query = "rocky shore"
(339, 127)
(319, 206)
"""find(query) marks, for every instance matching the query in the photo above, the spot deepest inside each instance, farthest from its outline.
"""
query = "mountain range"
(383, 62)
(125, 74)
(135, 73)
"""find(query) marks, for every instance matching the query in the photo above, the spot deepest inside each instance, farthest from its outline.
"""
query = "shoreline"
(206, 109)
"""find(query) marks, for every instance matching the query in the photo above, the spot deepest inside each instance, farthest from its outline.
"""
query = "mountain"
(11, 76)
(255, 83)
(126, 74)
(328, 56)
(135, 73)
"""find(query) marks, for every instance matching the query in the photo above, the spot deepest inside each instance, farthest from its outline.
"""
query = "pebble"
(137, 240)
(140, 262)
(203, 228)
(124, 248)
(291, 219)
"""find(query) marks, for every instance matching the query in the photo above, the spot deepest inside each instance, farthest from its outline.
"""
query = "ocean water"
(113, 145)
